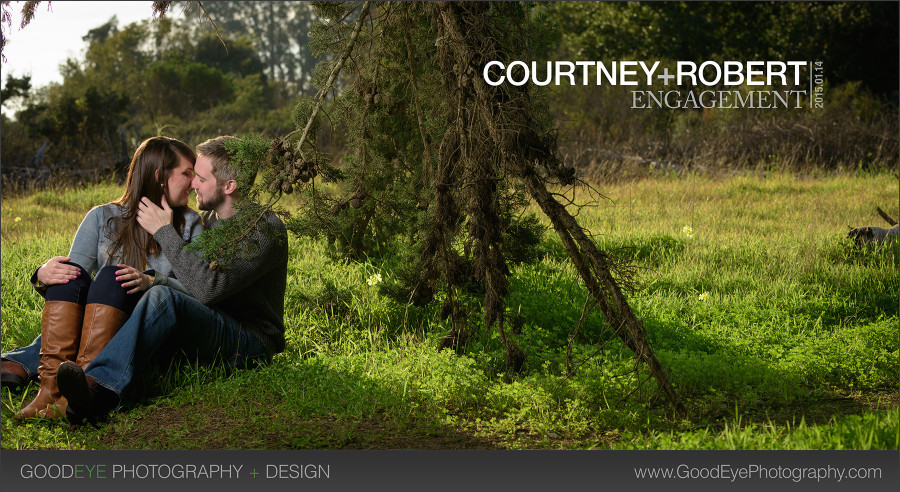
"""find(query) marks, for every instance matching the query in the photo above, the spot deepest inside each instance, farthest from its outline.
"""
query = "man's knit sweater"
(251, 288)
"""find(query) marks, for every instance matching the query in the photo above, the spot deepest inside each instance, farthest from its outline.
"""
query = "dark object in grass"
(13, 375)
(87, 399)
(865, 235)
(515, 358)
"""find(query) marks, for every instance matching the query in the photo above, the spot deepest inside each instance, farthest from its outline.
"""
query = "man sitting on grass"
(236, 313)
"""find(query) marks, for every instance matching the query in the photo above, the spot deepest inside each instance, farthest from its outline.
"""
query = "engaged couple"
(128, 287)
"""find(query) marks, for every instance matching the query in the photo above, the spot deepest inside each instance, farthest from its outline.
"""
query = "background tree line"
(856, 41)
(177, 77)
(164, 76)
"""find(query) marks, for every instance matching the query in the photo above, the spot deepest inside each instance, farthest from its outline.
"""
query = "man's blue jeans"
(166, 315)
(28, 357)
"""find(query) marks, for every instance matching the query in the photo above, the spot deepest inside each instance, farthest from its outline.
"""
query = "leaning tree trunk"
(491, 138)
(503, 114)
(601, 284)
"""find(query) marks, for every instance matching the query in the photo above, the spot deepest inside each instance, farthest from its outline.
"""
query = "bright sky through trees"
(52, 36)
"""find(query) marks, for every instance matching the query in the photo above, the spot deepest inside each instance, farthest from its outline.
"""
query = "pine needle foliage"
(441, 165)
(237, 236)
(27, 15)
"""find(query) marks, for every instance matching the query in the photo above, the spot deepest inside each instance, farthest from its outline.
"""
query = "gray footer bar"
(495, 471)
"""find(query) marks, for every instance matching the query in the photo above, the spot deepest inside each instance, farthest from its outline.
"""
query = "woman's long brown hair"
(156, 156)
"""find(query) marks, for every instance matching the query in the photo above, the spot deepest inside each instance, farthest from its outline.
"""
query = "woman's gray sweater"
(93, 242)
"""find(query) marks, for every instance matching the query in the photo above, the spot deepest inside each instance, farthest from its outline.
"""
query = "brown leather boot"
(60, 334)
(101, 323)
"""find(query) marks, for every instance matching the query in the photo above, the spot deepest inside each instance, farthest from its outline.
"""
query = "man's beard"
(212, 202)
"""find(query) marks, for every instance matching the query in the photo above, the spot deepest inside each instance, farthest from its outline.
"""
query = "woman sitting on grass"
(81, 315)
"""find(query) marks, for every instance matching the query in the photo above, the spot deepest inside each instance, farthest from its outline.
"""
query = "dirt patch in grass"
(881, 400)
(203, 426)
(815, 411)
(822, 411)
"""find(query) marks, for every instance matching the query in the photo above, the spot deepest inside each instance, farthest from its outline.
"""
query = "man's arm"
(211, 286)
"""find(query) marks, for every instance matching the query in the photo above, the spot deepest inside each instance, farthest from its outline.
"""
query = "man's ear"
(230, 187)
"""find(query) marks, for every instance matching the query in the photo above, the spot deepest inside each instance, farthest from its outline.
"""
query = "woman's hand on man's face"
(55, 272)
(151, 217)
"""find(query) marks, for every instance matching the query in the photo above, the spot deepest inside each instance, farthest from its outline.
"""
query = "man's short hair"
(221, 161)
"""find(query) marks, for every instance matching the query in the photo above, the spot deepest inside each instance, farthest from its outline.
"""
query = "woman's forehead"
(184, 162)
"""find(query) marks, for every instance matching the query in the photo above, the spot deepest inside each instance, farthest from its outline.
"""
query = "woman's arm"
(86, 244)
(82, 253)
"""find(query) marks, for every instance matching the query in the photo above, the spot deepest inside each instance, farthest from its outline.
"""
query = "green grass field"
(774, 331)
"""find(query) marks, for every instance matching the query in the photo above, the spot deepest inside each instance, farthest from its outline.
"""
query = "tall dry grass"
(608, 140)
